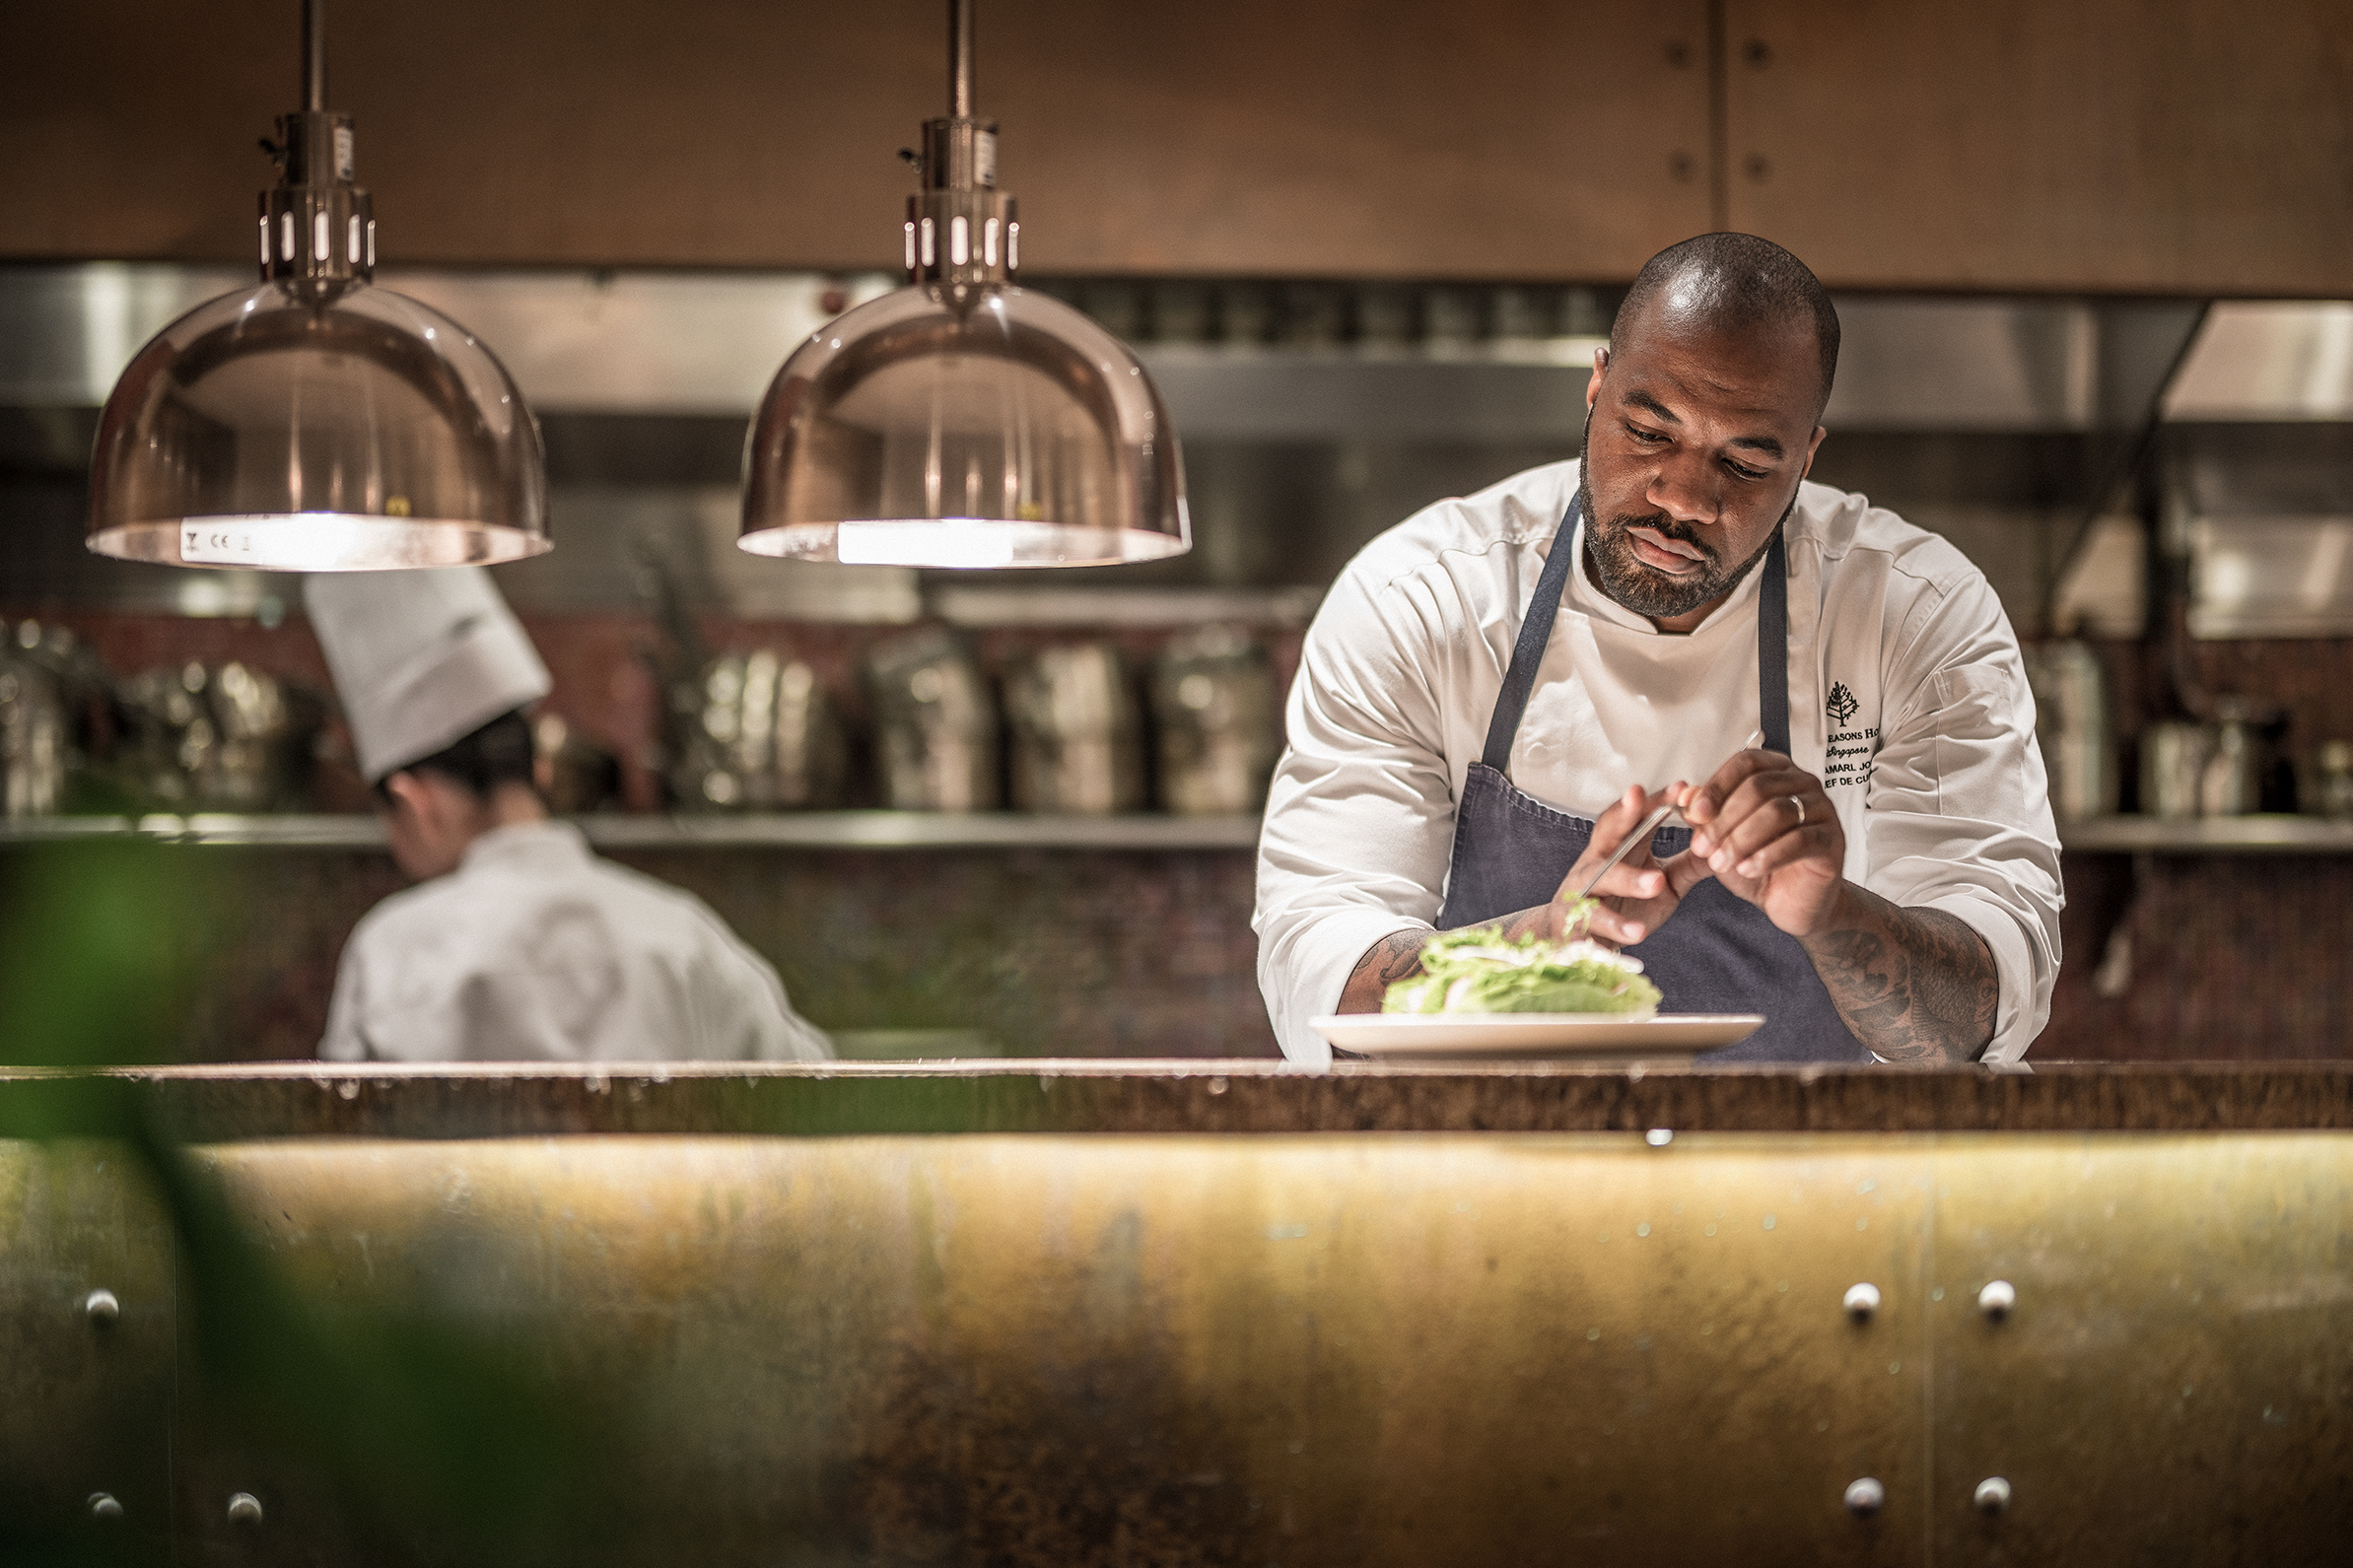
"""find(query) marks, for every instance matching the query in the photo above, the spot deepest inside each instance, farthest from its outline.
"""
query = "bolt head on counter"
(1862, 1301)
(1998, 1298)
(105, 1505)
(245, 1509)
(1992, 1496)
(1865, 1497)
(100, 1306)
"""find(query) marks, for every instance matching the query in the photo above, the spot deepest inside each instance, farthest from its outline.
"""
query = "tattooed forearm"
(1384, 964)
(1913, 985)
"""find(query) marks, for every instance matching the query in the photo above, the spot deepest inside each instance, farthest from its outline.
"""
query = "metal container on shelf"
(227, 737)
(936, 724)
(764, 737)
(2232, 783)
(574, 773)
(2173, 758)
(1077, 739)
(2332, 780)
(1214, 708)
(34, 739)
(2071, 725)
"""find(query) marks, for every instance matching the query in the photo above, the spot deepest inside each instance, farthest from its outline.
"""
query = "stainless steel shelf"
(2266, 835)
(813, 830)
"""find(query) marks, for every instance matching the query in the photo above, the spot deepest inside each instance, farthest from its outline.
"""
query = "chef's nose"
(1684, 487)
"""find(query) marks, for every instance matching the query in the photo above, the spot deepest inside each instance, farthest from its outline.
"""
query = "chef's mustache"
(1660, 523)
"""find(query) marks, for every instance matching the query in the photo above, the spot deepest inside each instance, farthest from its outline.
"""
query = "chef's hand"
(1765, 829)
(1634, 896)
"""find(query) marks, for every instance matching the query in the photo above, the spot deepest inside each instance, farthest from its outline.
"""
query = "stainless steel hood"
(705, 344)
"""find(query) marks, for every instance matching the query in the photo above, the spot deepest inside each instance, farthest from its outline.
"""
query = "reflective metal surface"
(2268, 359)
(316, 423)
(1385, 1348)
(1077, 732)
(989, 428)
(763, 735)
(667, 342)
(276, 428)
(935, 724)
(1218, 717)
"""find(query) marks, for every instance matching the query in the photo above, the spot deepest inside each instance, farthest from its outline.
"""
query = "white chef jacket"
(536, 950)
(1907, 697)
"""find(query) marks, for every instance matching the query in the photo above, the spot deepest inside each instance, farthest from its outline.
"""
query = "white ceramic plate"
(1535, 1036)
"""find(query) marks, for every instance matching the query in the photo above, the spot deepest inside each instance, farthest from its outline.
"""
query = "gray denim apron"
(1717, 953)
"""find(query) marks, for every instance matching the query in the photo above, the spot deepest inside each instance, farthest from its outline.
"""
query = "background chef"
(1496, 689)
(518, 943)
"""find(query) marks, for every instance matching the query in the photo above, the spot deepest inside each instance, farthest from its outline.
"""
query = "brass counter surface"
(1056, 1313)
(1250, 1096)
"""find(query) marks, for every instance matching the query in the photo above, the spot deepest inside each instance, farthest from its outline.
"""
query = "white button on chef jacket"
(534, 949)
(1907, 697)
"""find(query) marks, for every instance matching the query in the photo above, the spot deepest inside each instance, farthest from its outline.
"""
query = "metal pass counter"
(1203, 1312)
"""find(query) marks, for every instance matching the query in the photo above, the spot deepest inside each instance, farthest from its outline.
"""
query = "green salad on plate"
(1479, 970)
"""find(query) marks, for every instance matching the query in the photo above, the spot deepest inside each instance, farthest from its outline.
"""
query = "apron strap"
(1773, 648)
(1536, 633)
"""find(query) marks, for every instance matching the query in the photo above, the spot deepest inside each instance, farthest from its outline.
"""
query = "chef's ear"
(1812, 448)
(402, 789)
(1601, 367)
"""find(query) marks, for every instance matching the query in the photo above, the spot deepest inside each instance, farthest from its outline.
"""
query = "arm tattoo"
(1913, 985)
(1384, 964)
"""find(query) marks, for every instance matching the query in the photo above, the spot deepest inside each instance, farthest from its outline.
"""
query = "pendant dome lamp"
(317, 423)
(962, 421)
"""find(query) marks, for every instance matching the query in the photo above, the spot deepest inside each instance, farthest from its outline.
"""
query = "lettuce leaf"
(1477, 970)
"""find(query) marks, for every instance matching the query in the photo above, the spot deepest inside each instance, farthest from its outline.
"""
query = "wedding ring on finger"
(1801, 808)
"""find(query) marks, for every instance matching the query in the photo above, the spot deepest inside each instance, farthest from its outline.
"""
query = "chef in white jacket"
(518, 943)
(1496, 691)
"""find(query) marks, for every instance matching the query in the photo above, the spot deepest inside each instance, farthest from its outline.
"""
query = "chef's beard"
(1644, 589)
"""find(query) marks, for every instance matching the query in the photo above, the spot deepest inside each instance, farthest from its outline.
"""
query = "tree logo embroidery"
(1842, 706)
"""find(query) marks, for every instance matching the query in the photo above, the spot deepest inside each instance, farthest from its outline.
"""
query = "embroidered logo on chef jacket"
(1847, 760)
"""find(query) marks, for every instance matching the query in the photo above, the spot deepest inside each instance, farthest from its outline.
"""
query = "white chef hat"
(422, 658)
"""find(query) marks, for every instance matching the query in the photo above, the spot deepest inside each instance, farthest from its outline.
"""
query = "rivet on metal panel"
(1217, 1085)
(1861, 1302)
(100, 1306)
(1865, 1497)
(1992, 1494)
(1998, 1298)
(102, 1505)
(1659, 1137)
(245, 1509)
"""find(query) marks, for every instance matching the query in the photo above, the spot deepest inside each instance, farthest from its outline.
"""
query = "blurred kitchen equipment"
(2332, 782)
(2071, 726)
(764, 737)
(1217, 711)
(935, 726)
(2173, 758)
(1078, 743)
(2232, 783)
(225, 738)
(33, 736)
(576, 775)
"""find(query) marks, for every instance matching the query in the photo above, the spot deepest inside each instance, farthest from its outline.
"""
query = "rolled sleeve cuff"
(1314, 968)
(2024, 1002)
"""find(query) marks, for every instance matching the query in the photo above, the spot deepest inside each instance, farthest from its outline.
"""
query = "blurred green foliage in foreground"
(404, 1438)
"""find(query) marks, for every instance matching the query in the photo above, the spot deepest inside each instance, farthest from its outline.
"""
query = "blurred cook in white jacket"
(518, 943)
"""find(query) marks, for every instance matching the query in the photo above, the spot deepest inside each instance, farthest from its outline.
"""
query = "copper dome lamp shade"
(962, 421)
(317, 423)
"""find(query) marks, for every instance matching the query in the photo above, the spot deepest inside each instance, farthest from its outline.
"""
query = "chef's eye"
(1742, 471)
(1648, 438)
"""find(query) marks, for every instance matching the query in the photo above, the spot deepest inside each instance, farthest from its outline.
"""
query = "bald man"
(1499, 687)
